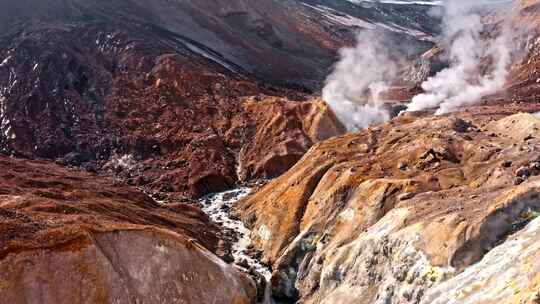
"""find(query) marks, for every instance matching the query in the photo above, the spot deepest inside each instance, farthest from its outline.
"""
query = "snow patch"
(340, 18)
(402, 2)
(5, 61)
(208, 55)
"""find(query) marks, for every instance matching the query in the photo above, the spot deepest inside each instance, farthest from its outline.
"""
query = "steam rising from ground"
(354, 88)
(464, 82)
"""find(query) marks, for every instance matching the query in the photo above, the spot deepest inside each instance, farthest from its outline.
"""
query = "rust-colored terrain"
(421, 209)
(72, 237)
(444, 178)
(182, 114)
(164, 103)
(116, 116)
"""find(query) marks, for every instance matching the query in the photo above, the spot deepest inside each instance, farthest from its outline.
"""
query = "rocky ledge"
(422, 209)
(71, 237)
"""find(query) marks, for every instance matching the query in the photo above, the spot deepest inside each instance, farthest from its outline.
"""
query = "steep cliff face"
(183, 98)
(507, 274)
(390, 212)
(71, 237)
(422, 209)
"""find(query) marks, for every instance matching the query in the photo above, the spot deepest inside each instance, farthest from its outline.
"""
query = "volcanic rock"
(72, 237)
(337, 229)
(175, 86)
(138, 102)
(147, 111)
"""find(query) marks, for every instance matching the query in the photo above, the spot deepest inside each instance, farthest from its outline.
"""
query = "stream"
(218, 206)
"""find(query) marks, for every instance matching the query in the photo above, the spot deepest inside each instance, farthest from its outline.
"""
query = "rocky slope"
(523, 83)
(184, 98)
(421, 209)
(119, 93)
(71, 237)
(291, 41)
(417, 19)
(389, 213)
(180, 97)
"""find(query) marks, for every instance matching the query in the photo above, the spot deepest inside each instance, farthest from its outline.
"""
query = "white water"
(218, 206)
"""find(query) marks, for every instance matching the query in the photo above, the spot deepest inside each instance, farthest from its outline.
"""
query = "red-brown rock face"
(421, 209)
(183, 98)
(94, 95)
(396, 209)
(71, 237)
(156, 108)
(158, 91)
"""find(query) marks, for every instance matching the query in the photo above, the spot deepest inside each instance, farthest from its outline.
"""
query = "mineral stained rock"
(167, 105)
(405, 212)
(71, 237)
(182, 121)
(421, 209)
(191, 97)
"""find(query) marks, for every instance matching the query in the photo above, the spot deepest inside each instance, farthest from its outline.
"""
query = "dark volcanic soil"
(178, 96)
(89, 94)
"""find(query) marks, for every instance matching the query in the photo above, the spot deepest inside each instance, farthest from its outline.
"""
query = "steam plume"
(464, 82)
(364, 72)
(353, 89)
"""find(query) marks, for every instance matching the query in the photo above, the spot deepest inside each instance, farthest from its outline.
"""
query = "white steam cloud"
(464, 82)
(478, 66)
(353, 89)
